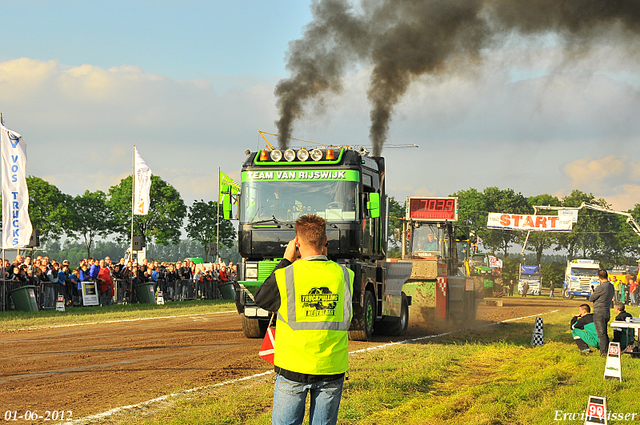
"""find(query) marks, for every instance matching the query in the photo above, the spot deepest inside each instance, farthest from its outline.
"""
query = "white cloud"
(593, 172)
(615, 178)
(81, 123)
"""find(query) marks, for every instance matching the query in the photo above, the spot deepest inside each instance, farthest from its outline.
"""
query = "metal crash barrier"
(46, 293)
(120, 290)
(185, 290)
(49, 293)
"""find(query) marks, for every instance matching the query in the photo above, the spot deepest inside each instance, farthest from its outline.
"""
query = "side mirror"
(225, 191)
(373, 205)
(226, 207)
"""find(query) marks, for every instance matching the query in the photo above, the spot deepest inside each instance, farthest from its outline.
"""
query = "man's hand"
(291, 253)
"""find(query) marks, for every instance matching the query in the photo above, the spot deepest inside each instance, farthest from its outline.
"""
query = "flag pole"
(133, 201)
(4, 272)
(133, 196)
(218, 220)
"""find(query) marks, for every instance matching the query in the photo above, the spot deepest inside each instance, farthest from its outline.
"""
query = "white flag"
(142, 185)
(16, 225)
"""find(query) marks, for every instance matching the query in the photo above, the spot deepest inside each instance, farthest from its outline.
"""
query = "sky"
(190, 83)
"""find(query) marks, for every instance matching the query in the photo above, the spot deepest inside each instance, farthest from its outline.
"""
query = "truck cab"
(346, 187)
(532, 277)
(579, 277)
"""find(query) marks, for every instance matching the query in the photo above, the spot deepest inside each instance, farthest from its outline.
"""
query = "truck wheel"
(253, 328)
(396, 326)
(362, 326)
(566, 296)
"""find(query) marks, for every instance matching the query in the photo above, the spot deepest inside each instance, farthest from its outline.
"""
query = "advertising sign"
(142, 185)
(89, 294)
(16, 224)
(571, 213)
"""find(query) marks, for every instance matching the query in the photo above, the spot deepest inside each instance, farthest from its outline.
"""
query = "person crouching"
(583, 329)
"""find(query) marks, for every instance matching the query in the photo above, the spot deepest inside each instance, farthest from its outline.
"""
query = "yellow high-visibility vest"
(314, 317)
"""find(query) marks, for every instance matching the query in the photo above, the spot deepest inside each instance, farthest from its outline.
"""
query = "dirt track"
(92, 368)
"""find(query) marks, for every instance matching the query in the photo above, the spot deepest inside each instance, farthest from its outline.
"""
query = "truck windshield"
(584, 272)
(336, 201)
(426, 240)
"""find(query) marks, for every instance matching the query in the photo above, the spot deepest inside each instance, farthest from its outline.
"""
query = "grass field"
(488, 376)
(11, 320)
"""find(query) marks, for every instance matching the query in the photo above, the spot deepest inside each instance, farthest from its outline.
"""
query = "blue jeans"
(289, 398)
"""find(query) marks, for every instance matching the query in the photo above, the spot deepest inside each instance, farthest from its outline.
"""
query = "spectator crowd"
(626, 290)
(116, 282)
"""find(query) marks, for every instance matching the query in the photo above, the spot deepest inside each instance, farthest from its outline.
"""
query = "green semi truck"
(345, 186)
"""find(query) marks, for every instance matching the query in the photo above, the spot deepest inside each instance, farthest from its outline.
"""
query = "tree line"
(94, 215)
(596, 235)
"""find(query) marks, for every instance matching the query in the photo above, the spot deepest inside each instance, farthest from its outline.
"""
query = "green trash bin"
(146, 294)
(24, 298)
(228, 291)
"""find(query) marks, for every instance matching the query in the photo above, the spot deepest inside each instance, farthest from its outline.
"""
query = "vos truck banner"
(539, 223)
(16, 225)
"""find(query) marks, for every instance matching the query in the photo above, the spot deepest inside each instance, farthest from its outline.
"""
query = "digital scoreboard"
(434, 209)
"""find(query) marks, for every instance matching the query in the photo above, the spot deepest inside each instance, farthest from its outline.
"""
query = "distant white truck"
(579, 277)
(530, 275)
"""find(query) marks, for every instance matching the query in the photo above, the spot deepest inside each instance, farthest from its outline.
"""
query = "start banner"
(541, 223)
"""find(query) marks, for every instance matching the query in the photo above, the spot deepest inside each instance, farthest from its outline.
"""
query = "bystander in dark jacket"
(601, 297)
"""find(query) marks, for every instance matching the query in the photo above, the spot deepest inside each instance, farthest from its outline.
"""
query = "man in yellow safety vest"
(312, 298)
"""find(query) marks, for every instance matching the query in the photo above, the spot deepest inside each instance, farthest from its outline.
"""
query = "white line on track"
(120, 321)
(98, 416)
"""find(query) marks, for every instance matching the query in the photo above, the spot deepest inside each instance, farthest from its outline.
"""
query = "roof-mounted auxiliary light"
(316, 154)
(276, 155)
(264, 155)
(289, 155)
(303, 154)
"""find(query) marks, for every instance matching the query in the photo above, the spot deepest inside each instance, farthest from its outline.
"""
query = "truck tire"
(396, 326)
(254, 328)
(566, 296)
(362, 325)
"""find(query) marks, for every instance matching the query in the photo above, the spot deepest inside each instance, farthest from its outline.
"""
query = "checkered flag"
(538, 333)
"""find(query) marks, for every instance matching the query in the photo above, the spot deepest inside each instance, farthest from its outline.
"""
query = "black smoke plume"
(404, 39)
